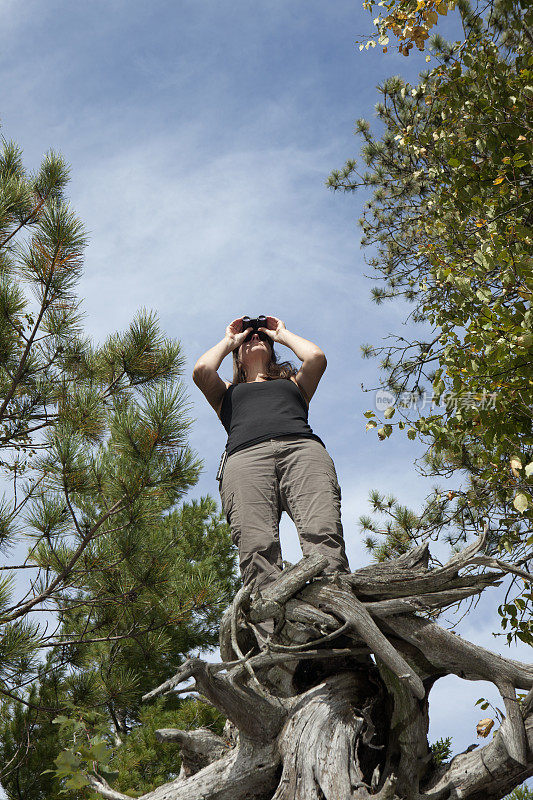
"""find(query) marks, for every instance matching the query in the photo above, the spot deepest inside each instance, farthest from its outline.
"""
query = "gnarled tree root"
(334, 706)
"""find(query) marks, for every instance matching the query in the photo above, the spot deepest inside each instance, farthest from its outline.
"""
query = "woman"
(275, 462)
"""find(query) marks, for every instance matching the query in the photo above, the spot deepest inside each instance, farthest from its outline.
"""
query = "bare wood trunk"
(335, 704)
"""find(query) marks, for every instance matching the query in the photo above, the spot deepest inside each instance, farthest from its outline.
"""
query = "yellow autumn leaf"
(498, 180)
(521, 502)
(484, 727)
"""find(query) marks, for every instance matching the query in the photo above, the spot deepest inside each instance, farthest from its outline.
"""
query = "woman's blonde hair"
(274, 370)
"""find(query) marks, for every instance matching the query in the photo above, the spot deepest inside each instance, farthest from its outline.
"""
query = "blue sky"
(200, 135)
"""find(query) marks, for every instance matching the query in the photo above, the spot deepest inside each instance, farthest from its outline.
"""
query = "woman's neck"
(255, 372)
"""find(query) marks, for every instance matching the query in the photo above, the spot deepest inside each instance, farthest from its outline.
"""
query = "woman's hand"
(235, 334)
(275, 329)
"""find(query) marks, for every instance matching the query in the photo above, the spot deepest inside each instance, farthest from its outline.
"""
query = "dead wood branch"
(197, 748)
(255, 715)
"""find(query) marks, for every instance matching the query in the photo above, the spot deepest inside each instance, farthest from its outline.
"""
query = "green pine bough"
(108, 579)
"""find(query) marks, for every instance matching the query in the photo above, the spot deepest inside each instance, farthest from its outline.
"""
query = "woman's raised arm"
(313, 359)
(205, 373)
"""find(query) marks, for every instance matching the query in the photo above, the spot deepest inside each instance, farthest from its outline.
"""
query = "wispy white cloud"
(247, 226)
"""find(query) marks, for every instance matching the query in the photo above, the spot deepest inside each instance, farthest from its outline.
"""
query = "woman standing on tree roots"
(273, 460)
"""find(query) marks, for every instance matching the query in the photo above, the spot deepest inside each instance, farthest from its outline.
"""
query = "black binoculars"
(255, 324)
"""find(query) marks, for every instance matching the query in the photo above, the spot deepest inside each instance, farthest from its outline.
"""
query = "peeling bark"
(335, 704)
(248, 771)
(324, 724)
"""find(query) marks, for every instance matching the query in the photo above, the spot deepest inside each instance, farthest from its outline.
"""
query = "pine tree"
(179, 576)
(121, 581)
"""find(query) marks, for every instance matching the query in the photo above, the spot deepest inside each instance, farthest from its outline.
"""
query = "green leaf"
(77, 781)
(100, 751)
(483, 294)
(67, 760)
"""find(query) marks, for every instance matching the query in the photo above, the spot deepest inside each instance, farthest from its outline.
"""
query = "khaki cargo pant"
(292, 474)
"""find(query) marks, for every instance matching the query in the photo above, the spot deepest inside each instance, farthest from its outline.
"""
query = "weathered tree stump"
(334, 705)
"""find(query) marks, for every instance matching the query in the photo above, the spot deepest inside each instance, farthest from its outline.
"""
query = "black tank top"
(260, 410)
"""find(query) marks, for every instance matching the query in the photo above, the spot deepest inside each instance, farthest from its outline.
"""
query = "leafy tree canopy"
(449, 225)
